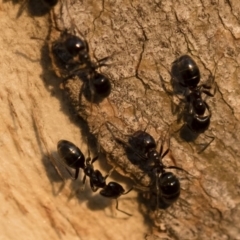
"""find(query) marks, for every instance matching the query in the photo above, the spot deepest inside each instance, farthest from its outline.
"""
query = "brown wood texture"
(143, 38)
(34, 117)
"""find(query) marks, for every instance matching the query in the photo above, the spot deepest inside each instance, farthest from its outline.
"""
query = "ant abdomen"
(112, 190)
(199, 124)
(101, 84)
(169, 188)
(70, 154)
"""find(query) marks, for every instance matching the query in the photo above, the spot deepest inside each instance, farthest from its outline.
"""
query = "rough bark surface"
(34, 117)
(143, 39)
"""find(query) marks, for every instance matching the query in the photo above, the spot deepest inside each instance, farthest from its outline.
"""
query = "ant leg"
(121, 210)
(101, 62)
(161, 148)
(83, 182)
(128, 191)
(157, 189)
(208, 93)
(109, 173)
(168, 150)
(94, 188)
(145, 129)
(168, 143)
(163, 82)
(178, 108)
(94, 160)
(76, 174)
(92, 91)
(206, 145)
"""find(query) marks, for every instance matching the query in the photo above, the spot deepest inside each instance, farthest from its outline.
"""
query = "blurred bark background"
(143, 40)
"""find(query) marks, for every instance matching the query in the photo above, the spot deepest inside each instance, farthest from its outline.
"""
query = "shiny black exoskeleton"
(188, 71)
(142, 141)
(74, 158)
(111, 190)
(71, 55)
(95, 176)
(114, 190)
(168, 185)
(187, 75)
(101, 85)
(165, 184)
(169, 188)
(71, 155)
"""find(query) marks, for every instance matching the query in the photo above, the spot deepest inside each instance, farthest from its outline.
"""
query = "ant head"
(75, 45)
(142, 141)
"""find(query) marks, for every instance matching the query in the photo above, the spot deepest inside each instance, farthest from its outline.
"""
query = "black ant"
(167, 185)
(164, 184)
(71, 56)
(74, 158)
(187, 74)
(189, 77)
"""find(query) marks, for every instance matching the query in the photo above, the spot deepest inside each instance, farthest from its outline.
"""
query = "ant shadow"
(34, 8)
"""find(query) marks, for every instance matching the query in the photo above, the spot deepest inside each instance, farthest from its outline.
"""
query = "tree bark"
(143, 39)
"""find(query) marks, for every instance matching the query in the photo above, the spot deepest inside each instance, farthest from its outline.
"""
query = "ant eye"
(74, 45)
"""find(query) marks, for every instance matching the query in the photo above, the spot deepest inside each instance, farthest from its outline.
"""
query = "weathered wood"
(34, 117)
(144, 39)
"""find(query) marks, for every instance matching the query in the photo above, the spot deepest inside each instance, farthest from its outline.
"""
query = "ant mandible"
(74, 158)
